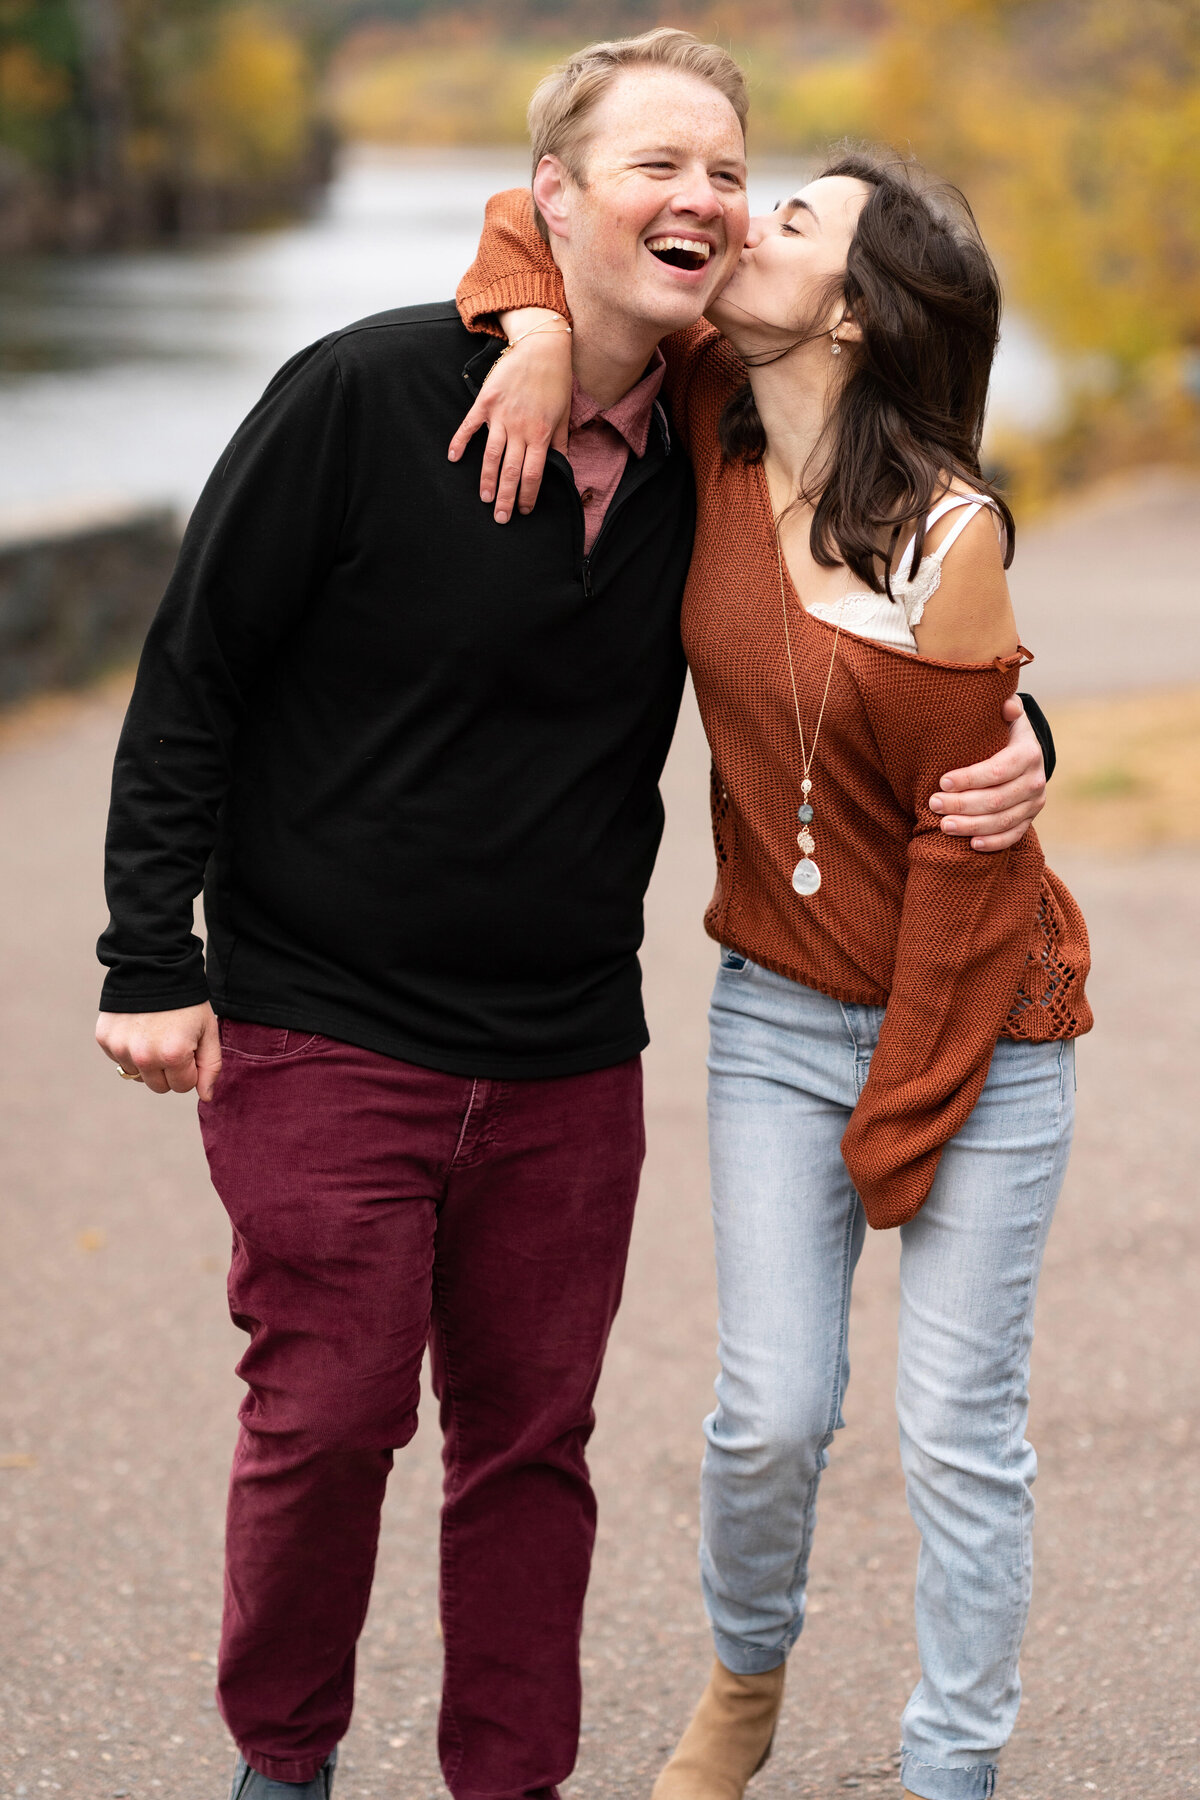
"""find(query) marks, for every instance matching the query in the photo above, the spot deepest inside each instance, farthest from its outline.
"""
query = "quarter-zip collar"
(656, 450)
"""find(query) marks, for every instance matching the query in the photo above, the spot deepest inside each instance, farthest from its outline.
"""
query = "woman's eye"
(789, 231)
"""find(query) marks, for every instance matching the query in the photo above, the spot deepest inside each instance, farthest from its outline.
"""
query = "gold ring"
(128, 1074)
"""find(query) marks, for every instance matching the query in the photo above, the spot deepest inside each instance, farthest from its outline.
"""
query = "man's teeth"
(689, 246)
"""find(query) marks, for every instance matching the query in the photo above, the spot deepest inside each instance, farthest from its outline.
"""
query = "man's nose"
(697, 196)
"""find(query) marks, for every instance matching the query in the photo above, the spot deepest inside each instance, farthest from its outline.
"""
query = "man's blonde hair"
(564, 101)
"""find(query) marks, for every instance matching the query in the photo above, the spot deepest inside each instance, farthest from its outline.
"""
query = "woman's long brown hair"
(909, 416)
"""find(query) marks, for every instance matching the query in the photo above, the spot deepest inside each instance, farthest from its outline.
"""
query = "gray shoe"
(248, 1784)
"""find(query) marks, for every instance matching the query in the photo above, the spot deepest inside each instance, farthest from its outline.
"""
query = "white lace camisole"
(891, 621)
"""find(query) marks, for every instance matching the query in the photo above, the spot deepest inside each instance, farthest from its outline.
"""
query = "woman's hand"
(1001, 797)
(525, 402)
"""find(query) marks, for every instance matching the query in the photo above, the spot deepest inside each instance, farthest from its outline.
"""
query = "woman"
(893, 1020)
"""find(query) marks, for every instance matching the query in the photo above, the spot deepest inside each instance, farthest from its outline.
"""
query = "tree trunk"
(101, 34)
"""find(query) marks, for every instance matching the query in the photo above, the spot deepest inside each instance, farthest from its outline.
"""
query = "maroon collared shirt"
(600, 438)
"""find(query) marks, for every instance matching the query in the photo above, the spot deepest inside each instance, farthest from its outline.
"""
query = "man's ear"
(551, 195)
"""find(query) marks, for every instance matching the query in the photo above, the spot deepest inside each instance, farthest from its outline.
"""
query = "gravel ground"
(117, 1409)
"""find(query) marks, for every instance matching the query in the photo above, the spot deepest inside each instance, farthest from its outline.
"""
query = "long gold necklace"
(806, 877)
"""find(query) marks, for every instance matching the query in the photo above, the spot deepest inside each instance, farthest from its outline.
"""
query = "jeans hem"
(739, 1659)
(932, 1781)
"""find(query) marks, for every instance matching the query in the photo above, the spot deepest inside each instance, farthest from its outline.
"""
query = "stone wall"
(78, 588)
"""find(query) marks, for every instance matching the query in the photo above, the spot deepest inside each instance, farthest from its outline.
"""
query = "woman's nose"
(756, 232)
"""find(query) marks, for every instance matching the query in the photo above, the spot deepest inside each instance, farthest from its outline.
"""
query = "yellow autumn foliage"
(245, 109)
(29, 87)
(461, 86)
(797, 104)
(388, 90)
(1074, 127)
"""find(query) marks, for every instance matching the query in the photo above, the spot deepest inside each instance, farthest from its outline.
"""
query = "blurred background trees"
(133, 119)
(1074, 128)
(1072, 125)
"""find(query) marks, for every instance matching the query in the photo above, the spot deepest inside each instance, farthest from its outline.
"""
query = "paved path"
(116, 1411)
(1107, 591)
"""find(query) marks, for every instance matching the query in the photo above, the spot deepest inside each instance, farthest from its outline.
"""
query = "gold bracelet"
(552, 325)
(544, 325)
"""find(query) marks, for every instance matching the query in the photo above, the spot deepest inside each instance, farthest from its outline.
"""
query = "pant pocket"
(242, 1037)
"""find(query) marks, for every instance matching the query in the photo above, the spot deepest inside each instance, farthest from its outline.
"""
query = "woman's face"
(791, 257)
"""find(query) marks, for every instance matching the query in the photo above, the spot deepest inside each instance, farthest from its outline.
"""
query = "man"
(415, 760)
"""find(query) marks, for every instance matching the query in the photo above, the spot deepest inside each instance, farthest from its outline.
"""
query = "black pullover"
(412, 755)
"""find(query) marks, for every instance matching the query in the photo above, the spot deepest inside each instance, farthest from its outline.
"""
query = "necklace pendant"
(806, 877)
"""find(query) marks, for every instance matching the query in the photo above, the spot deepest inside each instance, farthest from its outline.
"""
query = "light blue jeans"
(786, 1067)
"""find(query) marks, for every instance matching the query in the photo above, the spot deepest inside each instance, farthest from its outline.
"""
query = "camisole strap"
(958, 526)
(973, 501)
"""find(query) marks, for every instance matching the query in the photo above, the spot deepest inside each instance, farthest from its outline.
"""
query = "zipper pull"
(587, 578)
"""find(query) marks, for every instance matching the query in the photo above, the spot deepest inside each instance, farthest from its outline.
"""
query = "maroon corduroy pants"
(378, 1206)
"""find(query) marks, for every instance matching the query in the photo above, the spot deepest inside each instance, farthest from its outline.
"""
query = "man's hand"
(173, 1052)
(1003, 796)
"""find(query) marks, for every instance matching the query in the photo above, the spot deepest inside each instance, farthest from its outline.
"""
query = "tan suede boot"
(728, 1740)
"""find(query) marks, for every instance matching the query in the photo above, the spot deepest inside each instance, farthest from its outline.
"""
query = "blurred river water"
(123, 376)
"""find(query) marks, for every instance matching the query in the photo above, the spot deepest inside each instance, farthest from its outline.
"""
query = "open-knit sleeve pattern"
(964, 928)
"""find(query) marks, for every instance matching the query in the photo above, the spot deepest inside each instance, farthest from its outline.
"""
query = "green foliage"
(39, 80)
(1112, 782)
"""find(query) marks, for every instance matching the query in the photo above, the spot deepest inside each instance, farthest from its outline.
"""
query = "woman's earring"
(836, 348)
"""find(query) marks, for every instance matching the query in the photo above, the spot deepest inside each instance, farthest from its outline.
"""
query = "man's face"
(658, 223)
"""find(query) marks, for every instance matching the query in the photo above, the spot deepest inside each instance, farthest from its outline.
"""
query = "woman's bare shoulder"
(970, 617)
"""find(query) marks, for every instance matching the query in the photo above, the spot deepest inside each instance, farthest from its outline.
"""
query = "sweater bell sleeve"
(965, 931)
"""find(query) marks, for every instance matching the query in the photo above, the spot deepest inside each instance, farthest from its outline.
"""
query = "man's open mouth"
(680, 253)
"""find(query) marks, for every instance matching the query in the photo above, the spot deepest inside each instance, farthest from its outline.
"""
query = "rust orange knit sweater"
(960, 947)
